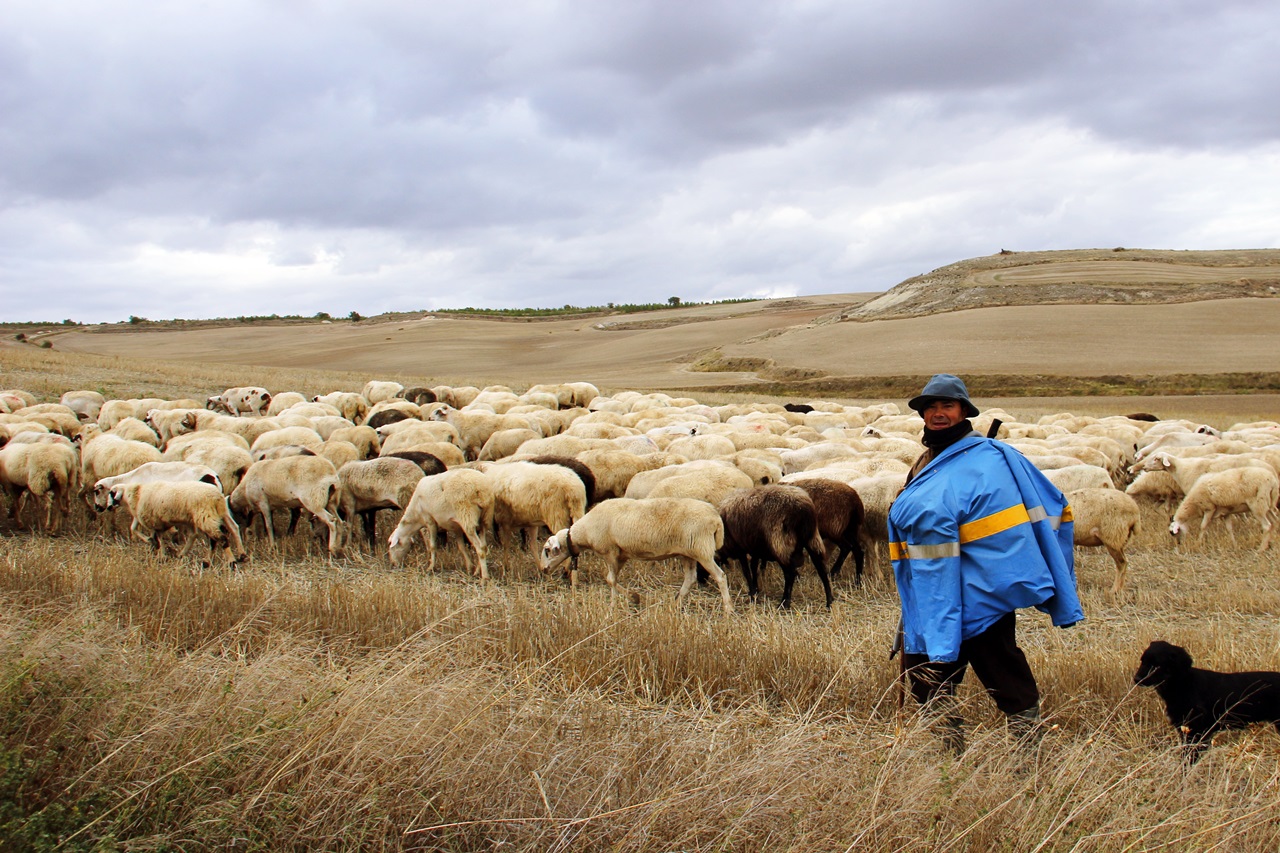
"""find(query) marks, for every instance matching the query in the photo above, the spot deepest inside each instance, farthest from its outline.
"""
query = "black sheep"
(772, 523)
(840, 517)
(1200, 702)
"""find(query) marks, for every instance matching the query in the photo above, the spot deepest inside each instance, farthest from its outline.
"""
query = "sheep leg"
(615, 563)
(1267, 526)
(788, 581)
(369, 517)
(1122, 568)
(722, 581)
(817, 559)
(478, 544)
(750, 573)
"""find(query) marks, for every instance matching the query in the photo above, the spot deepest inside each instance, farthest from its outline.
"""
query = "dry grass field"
(308, 703)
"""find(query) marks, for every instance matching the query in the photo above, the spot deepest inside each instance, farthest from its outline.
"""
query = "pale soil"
(1217, 336)
(1071, 272)
(648, 352)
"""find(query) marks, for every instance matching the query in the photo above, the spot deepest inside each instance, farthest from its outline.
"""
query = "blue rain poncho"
(977, 534)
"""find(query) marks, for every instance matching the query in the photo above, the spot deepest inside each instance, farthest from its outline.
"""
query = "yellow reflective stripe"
(990, 525)
(997, 522)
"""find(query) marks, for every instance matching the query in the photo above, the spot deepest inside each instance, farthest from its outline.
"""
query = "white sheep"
(712, 485)
(1107, 518)
(229, 461)
(155, 472)
(652, 529)
(134, 429)
(376, 391)
(506, 442)
(48, 472)
(350, 405)
(1220, 494)
(188, 507)
(303, 436)
(365, 438)
(1156, 486)
(283, 400)
(295, 483)
(105, 455)
(244, 399)
(372, 484)
(461, 501)
(1187, 470)
(528, 496)
(86, 404)
(613, 470)
(1081, 476)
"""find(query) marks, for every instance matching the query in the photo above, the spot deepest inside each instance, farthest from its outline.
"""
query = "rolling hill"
(1052, 320)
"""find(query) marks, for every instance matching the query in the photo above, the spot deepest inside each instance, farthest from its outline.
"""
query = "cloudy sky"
(210, 159)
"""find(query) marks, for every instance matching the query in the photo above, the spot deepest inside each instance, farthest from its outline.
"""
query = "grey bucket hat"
(944, 386)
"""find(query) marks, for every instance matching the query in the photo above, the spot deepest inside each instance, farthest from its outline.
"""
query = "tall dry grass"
(302, 704)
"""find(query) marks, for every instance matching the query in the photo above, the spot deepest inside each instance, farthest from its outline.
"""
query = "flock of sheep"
(629, 476)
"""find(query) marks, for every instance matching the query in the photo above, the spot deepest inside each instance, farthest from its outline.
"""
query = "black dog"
(1200, 702)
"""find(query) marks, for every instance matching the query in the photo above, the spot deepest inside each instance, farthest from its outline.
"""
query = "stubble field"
(303, 703)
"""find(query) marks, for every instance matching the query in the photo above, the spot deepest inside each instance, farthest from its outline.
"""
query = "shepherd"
(976, 534)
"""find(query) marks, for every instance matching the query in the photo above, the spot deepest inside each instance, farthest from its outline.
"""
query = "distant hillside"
(1079, 277)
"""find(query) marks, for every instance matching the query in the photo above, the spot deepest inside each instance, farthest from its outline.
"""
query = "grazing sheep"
(584, 473)
(1107, 518)
(339, 452)
(86, 405)
(1186, 470)
(154, 472)
(105, 455)
(474, 427)
(613, 470)
(170, 423)
(457, 501)
(840, 517)
(230, 460)
(773, 523)
(1156, 486)
(505, 442)
(621, 529)
(296, 482)
(419, 396)
(348, 404)
(709, 485)
(1200, 702)
(189, 507)
(133, 429)
(246, 399)
(725, 475)
(376, 391)
(386, 417)
(283, 401)
(1220, 494)
(48, 472)
(374, 484)
(407, 433)
(364, 437)
(299, 435)
(1081, 476)
(429, 463)
(528, 496)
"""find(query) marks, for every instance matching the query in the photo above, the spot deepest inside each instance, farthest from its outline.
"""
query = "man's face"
(941, 414)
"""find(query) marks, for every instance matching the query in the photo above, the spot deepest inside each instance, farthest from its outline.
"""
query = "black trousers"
(997, 661)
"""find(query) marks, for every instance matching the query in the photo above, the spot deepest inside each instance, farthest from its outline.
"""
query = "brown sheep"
(840, 517)
(773, 523)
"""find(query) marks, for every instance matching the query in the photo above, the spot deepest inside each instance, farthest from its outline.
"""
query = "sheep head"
(555, 551)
